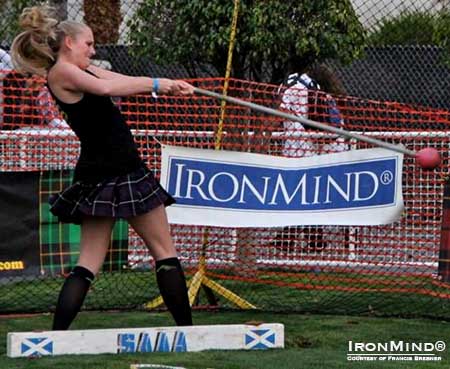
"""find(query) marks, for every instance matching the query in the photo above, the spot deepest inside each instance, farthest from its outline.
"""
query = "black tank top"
(107, 145)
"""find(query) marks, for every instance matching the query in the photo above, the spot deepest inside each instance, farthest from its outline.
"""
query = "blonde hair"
(34, 50)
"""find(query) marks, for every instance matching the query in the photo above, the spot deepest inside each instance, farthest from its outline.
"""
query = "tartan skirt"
(119, 197)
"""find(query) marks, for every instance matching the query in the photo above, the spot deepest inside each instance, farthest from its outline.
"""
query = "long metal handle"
(305, 121)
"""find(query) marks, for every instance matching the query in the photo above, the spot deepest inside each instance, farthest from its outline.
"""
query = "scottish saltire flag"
(236, 189)
(260, 339)
(36, 346)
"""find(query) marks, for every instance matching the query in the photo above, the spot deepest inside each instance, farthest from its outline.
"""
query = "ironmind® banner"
(235, 189)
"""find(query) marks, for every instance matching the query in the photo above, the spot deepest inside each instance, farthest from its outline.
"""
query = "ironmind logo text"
(327, 187)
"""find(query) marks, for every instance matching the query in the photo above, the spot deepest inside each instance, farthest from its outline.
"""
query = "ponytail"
(35, 49)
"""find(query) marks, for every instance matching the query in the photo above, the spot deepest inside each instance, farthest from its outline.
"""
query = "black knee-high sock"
(172, 285)
(71, 297)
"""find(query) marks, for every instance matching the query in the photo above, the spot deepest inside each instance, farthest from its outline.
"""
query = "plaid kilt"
(119, 197)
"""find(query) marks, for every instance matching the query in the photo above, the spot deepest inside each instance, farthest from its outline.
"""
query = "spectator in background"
(48, 110)
(5, 67)
(5, 61)
(27, 102)
(308, 95)
(19, 98)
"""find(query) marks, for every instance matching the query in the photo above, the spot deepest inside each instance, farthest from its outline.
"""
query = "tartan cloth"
(119, 197)
(59, 242)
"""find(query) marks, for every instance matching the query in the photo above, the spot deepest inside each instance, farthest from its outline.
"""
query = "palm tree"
(104, 18)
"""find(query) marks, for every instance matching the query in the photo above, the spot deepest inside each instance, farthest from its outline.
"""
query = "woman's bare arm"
(71, 78)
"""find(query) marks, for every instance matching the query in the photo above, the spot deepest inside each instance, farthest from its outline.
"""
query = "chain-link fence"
(407, 68)
(385, 270)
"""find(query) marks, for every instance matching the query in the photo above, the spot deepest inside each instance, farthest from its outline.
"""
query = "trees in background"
(415, 28)
(9, 17)
(273, 37)
(104, 18)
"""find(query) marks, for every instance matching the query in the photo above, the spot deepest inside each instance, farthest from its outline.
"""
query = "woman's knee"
(95, 242)
(160, 244)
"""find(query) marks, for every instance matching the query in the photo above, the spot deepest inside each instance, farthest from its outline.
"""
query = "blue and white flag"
(236, 189)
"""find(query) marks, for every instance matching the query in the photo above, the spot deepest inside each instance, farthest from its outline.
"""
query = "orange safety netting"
(345, 269)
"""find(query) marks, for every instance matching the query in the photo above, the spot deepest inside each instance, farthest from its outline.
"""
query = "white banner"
(236, 189)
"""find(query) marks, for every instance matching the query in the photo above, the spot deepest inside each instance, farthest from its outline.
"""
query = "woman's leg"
(154, 229)
(95, 241)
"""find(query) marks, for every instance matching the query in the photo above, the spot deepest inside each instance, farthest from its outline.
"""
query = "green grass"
(312, 341)
(318, 293)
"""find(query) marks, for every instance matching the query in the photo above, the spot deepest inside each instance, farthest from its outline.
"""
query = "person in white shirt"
(308, 94)
(305, 98)
(5, 67)
(5, 61)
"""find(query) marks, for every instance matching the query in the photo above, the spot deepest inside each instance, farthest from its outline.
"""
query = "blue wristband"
(155, 85)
